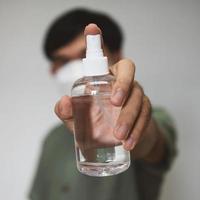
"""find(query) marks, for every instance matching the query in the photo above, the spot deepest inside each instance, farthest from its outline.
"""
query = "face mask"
(67, 75)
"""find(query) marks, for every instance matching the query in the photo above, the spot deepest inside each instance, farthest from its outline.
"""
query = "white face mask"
(67, 75)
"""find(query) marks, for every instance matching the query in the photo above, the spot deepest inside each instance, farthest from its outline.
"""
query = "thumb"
(63, 110)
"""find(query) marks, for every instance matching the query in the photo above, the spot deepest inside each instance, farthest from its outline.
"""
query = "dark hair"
(69, 25)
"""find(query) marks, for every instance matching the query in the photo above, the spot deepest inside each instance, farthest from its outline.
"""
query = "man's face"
(76, 50)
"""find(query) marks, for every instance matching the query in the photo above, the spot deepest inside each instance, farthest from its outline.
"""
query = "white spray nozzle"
(93, 43)
(95, 64)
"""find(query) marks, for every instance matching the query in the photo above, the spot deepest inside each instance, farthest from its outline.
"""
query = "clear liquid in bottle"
(98, 152)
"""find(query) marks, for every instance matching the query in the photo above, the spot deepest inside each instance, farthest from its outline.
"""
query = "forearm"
(151, 147)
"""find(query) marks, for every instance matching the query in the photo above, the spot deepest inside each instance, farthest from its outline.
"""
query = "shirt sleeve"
(149, 177)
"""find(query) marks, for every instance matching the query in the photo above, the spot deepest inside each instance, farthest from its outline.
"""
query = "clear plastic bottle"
(98, 152)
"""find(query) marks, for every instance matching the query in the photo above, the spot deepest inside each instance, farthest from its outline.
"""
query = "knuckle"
(123, 84)
(146, 111)
(139, 92)
(138, 86)
(128, 62)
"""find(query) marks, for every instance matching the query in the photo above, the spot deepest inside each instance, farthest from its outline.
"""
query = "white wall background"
(163, 38)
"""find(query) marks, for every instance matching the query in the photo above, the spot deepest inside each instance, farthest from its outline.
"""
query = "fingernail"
(121, 132)
(130, 143)
(118, 96)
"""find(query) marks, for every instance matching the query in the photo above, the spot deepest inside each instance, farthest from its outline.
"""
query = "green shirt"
(57, 177)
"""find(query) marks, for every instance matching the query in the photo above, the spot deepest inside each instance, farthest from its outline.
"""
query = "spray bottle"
(98, 152)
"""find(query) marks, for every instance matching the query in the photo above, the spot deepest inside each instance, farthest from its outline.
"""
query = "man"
(148, 133)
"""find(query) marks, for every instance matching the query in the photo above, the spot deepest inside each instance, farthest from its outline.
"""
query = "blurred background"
(162, 37)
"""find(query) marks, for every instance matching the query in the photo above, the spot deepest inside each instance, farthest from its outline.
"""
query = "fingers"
(63, 110)
(133, 118)
(129, 113)
(140, 125)
(124, 71)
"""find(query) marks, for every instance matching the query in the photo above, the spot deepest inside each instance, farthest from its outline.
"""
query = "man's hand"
(135, 127)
